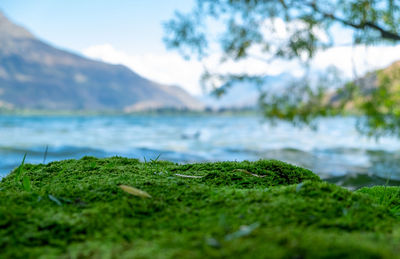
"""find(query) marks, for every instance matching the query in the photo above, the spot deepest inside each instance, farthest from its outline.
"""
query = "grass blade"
(135, 191)
(26, 183)
(20, 170)
(156, 159)
(45, 154)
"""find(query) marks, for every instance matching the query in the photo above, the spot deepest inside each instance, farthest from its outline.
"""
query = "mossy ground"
(76, 209)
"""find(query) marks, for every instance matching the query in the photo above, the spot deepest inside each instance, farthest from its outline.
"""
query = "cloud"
(171, 68)
(166, 68)
(359, 59)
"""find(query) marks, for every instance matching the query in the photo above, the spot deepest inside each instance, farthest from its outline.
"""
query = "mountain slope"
(377, 82)
(35, 75)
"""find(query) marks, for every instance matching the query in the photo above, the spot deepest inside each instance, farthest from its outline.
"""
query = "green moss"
(263, 209)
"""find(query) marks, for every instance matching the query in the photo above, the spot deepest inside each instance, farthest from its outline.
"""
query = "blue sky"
(130, 32)
(130, 25)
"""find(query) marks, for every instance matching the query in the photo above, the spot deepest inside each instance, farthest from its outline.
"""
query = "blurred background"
(192, 81)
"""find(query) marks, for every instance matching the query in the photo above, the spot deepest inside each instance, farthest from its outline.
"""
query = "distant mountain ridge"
(35, 75)
(366, 85)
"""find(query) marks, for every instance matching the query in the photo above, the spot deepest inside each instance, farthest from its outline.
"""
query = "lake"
(335, 151)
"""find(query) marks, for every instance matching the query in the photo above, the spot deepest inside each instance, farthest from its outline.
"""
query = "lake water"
(335, 151)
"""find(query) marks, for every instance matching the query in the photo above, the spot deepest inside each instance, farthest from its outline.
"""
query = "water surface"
(335, 151)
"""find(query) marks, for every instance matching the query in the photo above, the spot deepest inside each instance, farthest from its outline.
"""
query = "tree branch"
(385, 34)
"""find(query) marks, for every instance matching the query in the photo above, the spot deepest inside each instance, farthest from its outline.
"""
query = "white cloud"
(360, 59)
(166, 68)
(170, 68)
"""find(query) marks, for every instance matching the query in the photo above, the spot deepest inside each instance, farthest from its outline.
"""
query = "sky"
(130, 32)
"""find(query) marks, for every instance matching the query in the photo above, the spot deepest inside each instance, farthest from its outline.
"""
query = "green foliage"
(263, 209)
(254, 24)
(252, 29)
(301, 104)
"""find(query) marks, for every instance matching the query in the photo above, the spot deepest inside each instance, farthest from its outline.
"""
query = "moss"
(263, 209)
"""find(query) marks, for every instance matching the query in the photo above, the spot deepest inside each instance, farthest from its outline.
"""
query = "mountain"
(367, 85)
(35, 75)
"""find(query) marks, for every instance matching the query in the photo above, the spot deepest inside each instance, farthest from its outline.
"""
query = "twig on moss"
(189, 176)
(249, 173)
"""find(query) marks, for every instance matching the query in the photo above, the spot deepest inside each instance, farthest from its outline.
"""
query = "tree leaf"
(135, 191)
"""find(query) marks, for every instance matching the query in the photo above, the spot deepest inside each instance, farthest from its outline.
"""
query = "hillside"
(35, 75)
(386, 80)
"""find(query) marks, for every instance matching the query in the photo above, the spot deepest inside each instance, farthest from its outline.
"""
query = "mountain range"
(36, 75)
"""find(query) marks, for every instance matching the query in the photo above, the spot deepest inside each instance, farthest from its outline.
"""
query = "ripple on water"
(335, 151)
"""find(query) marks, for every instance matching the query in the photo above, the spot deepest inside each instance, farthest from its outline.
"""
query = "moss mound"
(263, 209)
